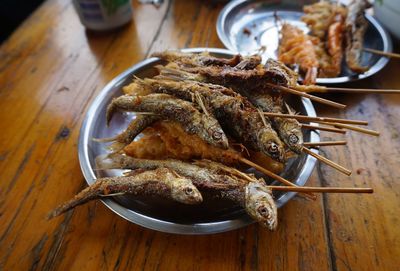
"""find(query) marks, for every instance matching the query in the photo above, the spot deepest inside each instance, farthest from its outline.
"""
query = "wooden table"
(50, 71)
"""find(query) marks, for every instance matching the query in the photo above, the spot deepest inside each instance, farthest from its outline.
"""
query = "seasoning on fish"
(198, 59)
(356, 25)
(161, 181)
(233, 112)
(248, 76)
(244, 189)
(289, 130)
(134, 128)
(194, 122)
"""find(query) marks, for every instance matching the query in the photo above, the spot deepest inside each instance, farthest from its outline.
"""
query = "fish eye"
(262, 210)
(273, 147)
(188, 191)
(217, 135)
(293, 139)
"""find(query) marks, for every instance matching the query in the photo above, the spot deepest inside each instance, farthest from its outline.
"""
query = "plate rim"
(378, 66)
(158, 224)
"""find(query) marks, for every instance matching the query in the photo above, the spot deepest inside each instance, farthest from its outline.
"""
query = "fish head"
(217, 136)
(260, 205)
(272, 146)
(183, 190)
(293, 136)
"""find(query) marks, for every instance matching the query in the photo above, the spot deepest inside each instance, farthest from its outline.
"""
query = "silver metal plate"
(212, 215)
(245, 26)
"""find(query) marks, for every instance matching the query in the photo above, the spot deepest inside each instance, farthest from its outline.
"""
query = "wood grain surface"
(51, 69)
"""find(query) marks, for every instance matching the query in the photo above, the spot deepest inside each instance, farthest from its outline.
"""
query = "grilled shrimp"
(295, 47)
(319, 17)
(194, 122)
(161, 181)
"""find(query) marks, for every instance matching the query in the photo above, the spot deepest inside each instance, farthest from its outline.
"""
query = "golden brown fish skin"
(169, 107)
(134, 128)
(260, 205)
(247, 74)
(289, 130)
(162, 182)
(244, 189)
(356, 26)
(234, 112)
(193, 59)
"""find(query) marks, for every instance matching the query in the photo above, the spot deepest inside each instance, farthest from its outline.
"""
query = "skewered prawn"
(296, 47)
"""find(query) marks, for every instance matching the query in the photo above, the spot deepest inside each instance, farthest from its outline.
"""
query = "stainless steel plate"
(245, 26)
(209, 217)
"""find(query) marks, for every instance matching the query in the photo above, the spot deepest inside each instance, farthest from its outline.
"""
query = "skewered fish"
(134, 128)
(161, 182)
(194, 122)
(197, 59)
(356, 25)
(289, 129)
(249, 76)
(233, 112)
(252, 194)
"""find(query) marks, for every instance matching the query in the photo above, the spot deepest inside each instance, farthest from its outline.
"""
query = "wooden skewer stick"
(323, 89)
(273, 175)
(327, 161)
(315, 119)
(323, 189)
(382, 53)
(324, 143)
(354, 128)
(363, 90)
(306, 95)
(323, 128)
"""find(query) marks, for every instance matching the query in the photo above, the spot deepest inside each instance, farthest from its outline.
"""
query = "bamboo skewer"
(382, 53)
(315, 119)
(327, 161)
(306, 95)
(273, 175)
(363, 90)
(323, 128)
(354, 128)
(324, 143)
(323, 89)
(323, 189)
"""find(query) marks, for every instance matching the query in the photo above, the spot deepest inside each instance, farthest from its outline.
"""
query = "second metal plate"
(245, 26)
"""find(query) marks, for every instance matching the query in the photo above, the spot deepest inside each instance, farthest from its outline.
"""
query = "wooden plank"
(364, 230)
